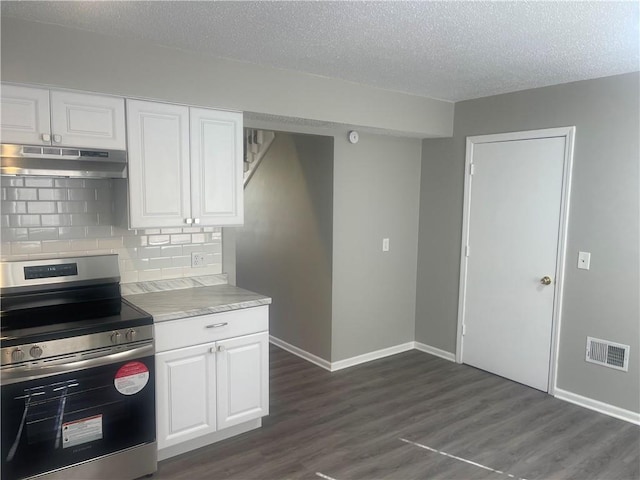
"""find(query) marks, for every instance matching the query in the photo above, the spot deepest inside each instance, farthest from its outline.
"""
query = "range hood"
(34, 160)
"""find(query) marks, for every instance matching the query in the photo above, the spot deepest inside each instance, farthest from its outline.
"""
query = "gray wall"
(376, 191)
(54, 55)
(439, 247)
(284, 249)
(376, 195)
(603, 219)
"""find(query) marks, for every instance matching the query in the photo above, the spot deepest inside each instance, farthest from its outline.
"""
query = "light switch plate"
(385, 244)
(584, 260)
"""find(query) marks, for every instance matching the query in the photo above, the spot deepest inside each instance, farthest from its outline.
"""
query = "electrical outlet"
(197, 260)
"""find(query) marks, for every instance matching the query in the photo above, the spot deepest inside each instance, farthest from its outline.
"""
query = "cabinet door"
(85, 120)
(216, 167)
(25, 115)
(186, 394)
(243, 379)
(159, 190)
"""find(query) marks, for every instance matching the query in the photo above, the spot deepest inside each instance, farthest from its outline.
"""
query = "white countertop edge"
(164, 285)
(163, 317)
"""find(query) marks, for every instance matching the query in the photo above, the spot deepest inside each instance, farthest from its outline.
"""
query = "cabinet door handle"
(196, 221)
(217, 325)
(221, 348)
(57, 138)
(46, 137)
(188, 221)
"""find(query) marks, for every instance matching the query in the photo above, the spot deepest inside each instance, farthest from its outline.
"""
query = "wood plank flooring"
(380, 420)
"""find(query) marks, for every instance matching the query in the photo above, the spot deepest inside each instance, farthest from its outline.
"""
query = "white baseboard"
(435, 351)
(367, 357)
(309, 357)
(598, 406)
(346, 363)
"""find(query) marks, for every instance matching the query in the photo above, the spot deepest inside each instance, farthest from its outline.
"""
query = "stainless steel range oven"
(77, 373)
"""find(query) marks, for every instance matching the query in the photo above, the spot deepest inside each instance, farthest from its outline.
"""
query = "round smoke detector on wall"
(353, 136)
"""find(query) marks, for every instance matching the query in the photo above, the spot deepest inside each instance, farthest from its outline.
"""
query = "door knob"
(546, 280)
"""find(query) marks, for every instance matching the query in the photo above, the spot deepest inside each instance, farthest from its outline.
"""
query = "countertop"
(171, 300)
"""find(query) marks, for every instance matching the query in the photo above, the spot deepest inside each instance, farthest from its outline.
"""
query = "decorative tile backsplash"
(44, 217)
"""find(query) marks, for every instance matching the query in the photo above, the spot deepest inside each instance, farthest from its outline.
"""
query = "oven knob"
(131, 335)
(17, 355)
(115, 337)
(35, 351)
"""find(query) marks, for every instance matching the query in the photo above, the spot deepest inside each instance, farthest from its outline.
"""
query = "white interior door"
(512, 226)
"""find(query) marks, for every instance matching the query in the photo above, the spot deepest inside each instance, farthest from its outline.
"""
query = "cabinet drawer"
(210, 328)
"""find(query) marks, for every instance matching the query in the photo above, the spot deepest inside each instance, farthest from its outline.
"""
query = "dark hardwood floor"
(414, 416)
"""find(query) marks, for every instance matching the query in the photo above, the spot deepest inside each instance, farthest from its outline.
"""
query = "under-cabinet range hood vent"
(34, 160)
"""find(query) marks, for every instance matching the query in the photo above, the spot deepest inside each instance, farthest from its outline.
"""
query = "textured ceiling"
(447, 50)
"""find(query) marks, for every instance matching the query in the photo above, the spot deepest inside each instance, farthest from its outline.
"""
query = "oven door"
(55, 421)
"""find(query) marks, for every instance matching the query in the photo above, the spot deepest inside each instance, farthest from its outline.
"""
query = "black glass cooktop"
(60, 326)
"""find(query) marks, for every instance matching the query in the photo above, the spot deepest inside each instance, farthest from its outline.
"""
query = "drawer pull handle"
(217, 325)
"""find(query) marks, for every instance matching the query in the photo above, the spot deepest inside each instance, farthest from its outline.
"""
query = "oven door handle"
(23, 373)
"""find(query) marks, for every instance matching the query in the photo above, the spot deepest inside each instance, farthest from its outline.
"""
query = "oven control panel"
(95, 344)
(49, 271)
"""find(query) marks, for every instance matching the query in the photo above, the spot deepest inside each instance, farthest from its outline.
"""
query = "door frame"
(569, 134)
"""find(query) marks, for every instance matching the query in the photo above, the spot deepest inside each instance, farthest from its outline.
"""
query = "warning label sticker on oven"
(131, 378)
(81, 431)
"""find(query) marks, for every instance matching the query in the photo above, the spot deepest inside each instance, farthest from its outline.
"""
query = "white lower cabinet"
(185, 394)
(203, 389)
(243, 379)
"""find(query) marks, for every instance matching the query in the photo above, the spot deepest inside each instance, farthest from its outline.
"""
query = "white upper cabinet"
(159, 190)
(25, 115)
(42, 117)
(85, 120)
(216, 167)
(185, 166)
